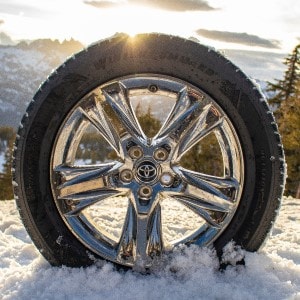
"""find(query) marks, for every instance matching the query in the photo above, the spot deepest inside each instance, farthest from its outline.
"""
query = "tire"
(136, 145)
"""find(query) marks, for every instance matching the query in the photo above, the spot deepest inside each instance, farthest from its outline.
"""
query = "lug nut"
(153, 88)
(145, 192)
(161, 154)
(135, 152)
(126, 175)
(166, 179)
(69, 202)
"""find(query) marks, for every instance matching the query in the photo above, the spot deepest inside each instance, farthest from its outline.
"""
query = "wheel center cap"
(146, 171)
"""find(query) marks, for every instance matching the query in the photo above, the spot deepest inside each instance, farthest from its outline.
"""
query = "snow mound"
(188, 273)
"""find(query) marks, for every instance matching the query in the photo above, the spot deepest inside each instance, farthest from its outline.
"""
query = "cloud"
(179, 5)
(1, 22)
(172, 5)
(103, 4)
(239, 38)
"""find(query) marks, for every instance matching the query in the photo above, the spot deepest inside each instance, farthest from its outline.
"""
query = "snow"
(189, 273)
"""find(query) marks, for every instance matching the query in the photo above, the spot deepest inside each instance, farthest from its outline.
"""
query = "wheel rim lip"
(76, 225)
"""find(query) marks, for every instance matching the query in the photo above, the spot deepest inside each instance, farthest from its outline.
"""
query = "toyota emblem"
(147, 171)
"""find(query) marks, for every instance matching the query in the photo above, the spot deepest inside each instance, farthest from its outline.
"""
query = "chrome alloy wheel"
(142, 181)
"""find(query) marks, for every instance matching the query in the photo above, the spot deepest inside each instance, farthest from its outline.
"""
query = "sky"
(256, 25)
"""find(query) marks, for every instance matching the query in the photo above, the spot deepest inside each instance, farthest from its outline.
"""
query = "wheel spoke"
(184, 108)
(127, 245)
(211, 188)
(75, 180)
(230, 153)
(142, 257)
(207, 121)
(141, 237)
(93, 111)
(116, 95)
(69, 141)
(155, 241)
(84, 200)
(199, 206)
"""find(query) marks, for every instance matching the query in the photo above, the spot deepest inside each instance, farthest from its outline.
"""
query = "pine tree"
(289, 127)
(287, 87)
(287, 100)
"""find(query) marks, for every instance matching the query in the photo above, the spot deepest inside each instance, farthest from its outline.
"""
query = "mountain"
(23, 67)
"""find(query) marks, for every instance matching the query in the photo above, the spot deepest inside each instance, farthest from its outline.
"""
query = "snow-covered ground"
(191, 273)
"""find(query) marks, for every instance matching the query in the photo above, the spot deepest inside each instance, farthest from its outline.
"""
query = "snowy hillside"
(273, 273)
(22, 69)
